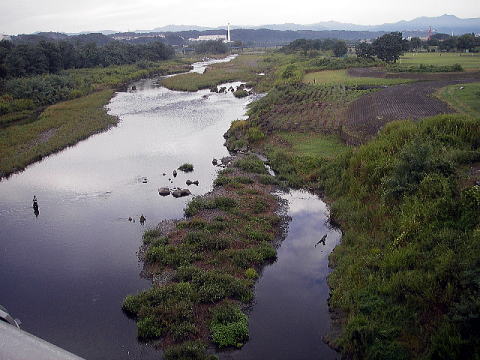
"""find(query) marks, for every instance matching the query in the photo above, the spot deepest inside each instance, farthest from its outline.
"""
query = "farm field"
(467, 61)
(335, 77)
(314, 145)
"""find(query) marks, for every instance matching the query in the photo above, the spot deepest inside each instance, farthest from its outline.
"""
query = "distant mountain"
(443, 24)
(178, 28)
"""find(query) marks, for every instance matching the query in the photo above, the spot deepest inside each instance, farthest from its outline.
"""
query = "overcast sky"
(27, 16)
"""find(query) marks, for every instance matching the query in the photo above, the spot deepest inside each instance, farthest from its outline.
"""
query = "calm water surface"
(66, 272)
(290, 315)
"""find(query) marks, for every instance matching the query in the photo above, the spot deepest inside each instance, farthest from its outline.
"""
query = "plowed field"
(365, 116)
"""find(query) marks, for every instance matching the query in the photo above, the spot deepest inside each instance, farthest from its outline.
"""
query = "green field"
(335, 77)
(314, 145)
(465, 98)
(467, 61)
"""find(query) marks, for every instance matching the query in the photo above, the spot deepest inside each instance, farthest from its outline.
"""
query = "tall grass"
(58, 126)
(406, 272)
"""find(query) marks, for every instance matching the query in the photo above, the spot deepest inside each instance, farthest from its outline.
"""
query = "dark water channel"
(290, 314)
(65, 273)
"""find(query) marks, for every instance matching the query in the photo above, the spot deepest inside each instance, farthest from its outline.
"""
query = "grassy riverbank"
(243, 68)
(465, 98)
(405, 279)
(59, 126)
(208, 264)
(29, 134)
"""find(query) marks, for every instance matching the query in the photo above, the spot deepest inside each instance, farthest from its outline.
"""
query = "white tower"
(228, 33)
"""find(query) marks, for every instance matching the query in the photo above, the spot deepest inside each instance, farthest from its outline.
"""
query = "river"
(65, 272)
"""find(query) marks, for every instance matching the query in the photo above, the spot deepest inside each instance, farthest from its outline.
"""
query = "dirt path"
(368, 114)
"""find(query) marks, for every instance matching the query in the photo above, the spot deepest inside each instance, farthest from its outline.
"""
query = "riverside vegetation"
(59, 100)
(208, 264)
(405, 280)
(406, 274)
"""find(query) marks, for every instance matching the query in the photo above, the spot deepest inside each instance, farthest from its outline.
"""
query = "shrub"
(260, 206)
(256, 255)
(134, 305)
(191, 350)
(268, 180)
(197, 224)
(198, 204)
(251, 273)
(148, 328)
(229, 326)
(254, 134)
(240, 93)
(212, 286)
(171, 255)
(183, 331)
(251, 163)
(205, 240)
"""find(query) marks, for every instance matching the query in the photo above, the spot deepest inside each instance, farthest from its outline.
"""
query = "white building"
(224, 38)
(210, 37)
(5, 37)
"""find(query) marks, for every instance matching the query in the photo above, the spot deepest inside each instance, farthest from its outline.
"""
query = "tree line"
(445, 42)
(339, 47)
(52, 56)
(389, 47)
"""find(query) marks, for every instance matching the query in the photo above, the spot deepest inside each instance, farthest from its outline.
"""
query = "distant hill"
(178, 28)
(443, 24)
(96, 38)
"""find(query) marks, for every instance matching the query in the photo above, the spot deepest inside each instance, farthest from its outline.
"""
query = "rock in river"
(164, 191)
(181, 192)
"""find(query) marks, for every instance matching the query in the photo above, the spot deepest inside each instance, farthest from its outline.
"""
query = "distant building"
(210, 38)
(224, 38)
(5, 37)
(134, 36)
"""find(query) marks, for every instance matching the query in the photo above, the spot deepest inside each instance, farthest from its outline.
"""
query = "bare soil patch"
(368, 114)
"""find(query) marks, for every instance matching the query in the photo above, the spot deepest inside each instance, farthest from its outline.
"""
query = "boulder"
(164, 191)
(174, 173)
(189, 182)
(214, 161)
(181, 192)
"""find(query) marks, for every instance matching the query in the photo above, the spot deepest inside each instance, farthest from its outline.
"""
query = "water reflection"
(290, 315)
(65, 273)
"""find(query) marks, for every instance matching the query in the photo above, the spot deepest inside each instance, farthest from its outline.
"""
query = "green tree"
(211, 47)
(340, 48)
(389, 47)
(467, 42)
(415, 43)
(364, 50)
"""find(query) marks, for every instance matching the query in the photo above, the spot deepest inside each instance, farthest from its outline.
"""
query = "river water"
(65, 272)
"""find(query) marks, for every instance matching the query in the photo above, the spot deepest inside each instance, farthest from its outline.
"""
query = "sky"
(28, 16)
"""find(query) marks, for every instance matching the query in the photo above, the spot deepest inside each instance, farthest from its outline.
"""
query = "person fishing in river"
(35, 206)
